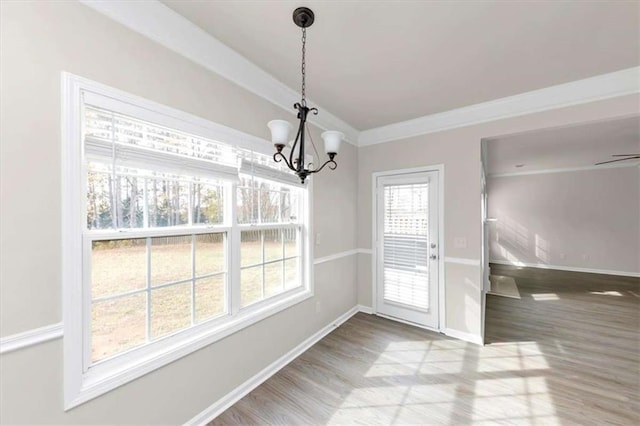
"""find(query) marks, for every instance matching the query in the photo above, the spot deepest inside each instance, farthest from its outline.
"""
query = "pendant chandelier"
(302, 17)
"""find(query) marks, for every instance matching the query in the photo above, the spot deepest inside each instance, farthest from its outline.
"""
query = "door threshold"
(415, 324)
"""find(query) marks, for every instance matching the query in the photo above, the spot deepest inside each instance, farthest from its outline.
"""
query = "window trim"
(81, 386)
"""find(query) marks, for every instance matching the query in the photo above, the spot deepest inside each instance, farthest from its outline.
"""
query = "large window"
(186, 237)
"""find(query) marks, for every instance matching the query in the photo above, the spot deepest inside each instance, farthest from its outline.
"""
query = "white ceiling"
(567, 147)
(376, 63)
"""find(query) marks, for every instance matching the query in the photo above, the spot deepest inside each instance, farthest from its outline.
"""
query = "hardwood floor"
(566, 353)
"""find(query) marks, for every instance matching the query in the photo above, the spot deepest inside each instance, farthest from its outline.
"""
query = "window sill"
(113, 373)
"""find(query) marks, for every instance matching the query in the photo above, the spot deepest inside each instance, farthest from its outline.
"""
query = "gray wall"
(39, 41)
(587, 219)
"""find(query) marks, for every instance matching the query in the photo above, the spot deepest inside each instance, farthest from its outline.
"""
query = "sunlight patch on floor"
(516, 400)
(515, 363)
(504, 286)
(512, 356)
(507, 349)
(397, 395)
(540, 297)
(404, 358)
(607, 293)
(397, 404)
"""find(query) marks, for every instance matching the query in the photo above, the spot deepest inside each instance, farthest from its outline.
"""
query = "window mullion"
(259, 218)
(145, 205)
(113, 187)
(87, 302)
(232, 248)
(282, 240)
(190, 208)
(193, 279)
(148, 291)
(263, 260)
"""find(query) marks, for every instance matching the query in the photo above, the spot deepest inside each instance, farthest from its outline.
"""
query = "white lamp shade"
(279, 131)
(332, 141)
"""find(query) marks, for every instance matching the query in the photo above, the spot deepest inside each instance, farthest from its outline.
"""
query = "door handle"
(433, 257)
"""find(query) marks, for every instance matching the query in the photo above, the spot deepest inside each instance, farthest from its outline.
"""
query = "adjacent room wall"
(585, 219)
(41, 39)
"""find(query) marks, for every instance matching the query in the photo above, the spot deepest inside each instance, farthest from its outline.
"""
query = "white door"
(407, 247)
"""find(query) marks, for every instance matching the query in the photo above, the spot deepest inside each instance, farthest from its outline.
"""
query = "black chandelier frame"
(303, 17)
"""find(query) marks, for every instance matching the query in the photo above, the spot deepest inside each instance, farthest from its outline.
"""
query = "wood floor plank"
(567, 352)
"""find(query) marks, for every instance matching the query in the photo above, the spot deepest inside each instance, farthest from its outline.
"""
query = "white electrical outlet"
(460, 242)
(317, 238)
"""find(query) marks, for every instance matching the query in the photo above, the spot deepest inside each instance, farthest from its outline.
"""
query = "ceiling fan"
(626, 157)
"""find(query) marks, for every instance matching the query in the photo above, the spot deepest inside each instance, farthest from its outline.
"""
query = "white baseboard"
(567, 268)
(365, 309)
(238, 393)
(467, 337)
(30, 338)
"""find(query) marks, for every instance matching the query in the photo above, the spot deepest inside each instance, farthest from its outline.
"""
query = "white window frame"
(83, 384)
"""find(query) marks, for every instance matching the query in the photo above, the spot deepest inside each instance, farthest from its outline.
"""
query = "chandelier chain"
(304, 51)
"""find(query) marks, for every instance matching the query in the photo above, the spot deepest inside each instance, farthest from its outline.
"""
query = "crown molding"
(605, 86)
(566, 169)
(173, 31)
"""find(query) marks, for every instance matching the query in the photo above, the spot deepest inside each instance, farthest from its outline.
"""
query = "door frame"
(374, 236)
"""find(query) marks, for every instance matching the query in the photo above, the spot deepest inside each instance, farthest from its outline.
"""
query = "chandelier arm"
(278, 157)
(332, 165)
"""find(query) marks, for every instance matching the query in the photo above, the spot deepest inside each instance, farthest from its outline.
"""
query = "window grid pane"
(269, 263)
(130, 198)
(160, 285)
(261, 201)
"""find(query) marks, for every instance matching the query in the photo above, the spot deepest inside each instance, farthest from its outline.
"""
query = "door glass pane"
(406, 265)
